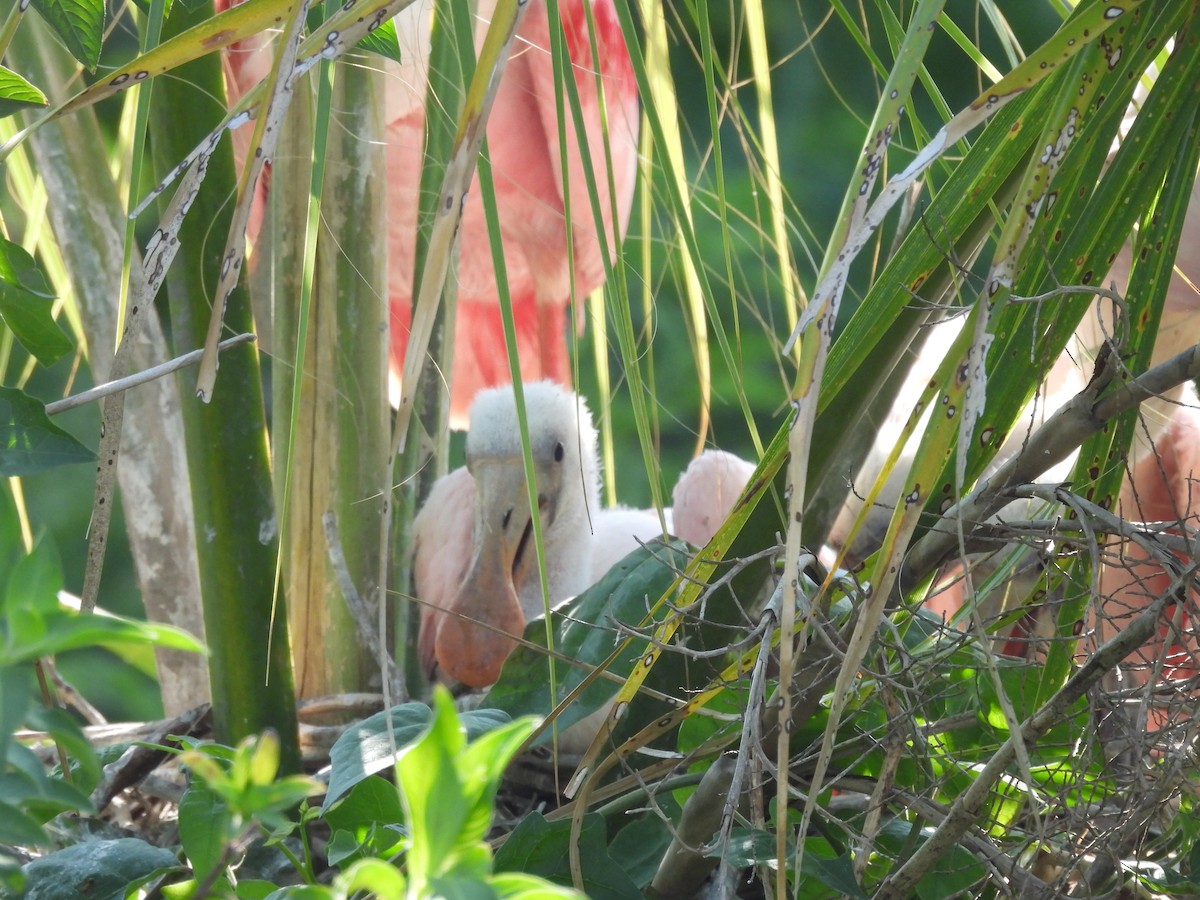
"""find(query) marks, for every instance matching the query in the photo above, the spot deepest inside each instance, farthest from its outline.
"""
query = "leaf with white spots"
(235, 24)
(267, 127)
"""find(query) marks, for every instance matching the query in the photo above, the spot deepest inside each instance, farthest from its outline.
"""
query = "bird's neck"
(567, 543)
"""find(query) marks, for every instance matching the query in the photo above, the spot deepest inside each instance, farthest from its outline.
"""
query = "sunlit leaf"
(383, 41)
(16, 93)
(365, 747)
(37, 636)
(374, 876)
(80, 25)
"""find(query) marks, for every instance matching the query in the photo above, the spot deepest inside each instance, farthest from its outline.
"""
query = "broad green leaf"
(16, 93)
(481, 767)
(36, 579)
(383, 41)
(80, 25)
(367, 822)
(95, 868)
(31, 637)
(458, 886)
(374, 876)
(518, 886)
(538, 847)
(15, 692)
(18, 829)
(432, 794)
(622, 595)
(25, 306)
(641, 844)
(364, 748)
(41, 796)
(29, 441)
(204, 827)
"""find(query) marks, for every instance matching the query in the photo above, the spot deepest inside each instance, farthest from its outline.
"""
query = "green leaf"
(18, 829)
(31, 636)
(538, 847)
(481, 767)
(204, 827)
(621, 595)
(95, 868)
(16, 93)
(15, 690)
(366, 822)
(364, 748)
(80, 25)
(67, 732)
(374, 876)
(432, 794)
(383, 40)
(641, 845)
(36, 580)
(42, 797)
(29, 441)
(518, 886)
(25, 307)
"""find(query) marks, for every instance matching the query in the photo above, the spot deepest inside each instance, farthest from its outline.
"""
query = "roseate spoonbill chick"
(486, 578)
(475, 567)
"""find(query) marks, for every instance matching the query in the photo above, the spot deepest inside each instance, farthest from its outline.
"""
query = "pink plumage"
(475, 570)
(706, 492)
(544, 272)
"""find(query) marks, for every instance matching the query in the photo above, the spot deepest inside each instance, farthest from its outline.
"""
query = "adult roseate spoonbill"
(532, 183)
(475, 566)
(1162, 473)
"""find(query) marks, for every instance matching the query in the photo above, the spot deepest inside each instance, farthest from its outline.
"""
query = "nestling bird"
(475, 568)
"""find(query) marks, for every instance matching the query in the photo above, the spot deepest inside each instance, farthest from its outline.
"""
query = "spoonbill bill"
(475, 567)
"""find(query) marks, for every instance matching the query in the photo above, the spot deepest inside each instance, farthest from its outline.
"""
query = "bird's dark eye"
(558, 452)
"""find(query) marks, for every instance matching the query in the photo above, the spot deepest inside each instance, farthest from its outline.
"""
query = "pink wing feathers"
(526, 163)
(706, 492)
(529, 176)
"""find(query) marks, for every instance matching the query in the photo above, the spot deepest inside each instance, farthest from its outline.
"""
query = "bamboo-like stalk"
(153, 468)
(228, 460)
(331, 428)
(451, 63)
